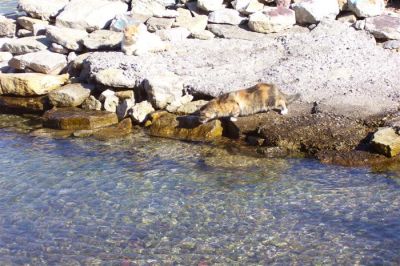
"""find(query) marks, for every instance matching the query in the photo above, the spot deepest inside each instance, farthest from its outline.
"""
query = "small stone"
(124, 95)
(347, 17)
(24, 33)
(103, 40)
(383, 27)
(115, 78)
(70, 95)
(57, 48)
(172, 107)
(41, 62)
(313, 11)
(124, 107)
(8, 27)
(140, 111)
(366, 8)
(210, 5)
(386, 142)
(105, 94)
(202, 35)
(28, 22)
(154, 24)
(248, 7)
(226, 16)
(91, 103)
(51, 133)
(359, 24)
(110, 103)
(44, 9)
(83, 133)
(69, 38)
(25, 45)
(392, 45)
(274, 20)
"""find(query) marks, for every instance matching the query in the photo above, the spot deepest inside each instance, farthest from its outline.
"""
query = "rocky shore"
(62, 60)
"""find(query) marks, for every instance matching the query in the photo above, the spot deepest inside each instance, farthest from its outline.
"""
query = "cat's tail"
(292, 98)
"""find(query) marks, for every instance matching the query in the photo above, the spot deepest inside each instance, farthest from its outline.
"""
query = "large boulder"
(78, 119)
(25, 45)
(30, 84)
(71, 39)
(386, 142)
(226, 16)
(313, 11)
(90, 15)
(103, 40)
(384, 27)
(7, 27)
(366, 8)
(42, 62)
(43, 9)
(274, 20)
(70, 95)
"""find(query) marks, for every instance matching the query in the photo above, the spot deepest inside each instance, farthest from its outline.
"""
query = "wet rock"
(140, 111)
(386, 142)
(226, 16)
(313, 11)
(30, 84)
(154, 24)
(355, 158)
(384, 27)
(25, 45)
(191, 107)
(103, 40)
(124, 108)
(209, 5)
(184, 128)
(44, 9)
(44, 62)
(29, 23)
(273, 20)
(69, 38)
(52, 133)
(8, 27)
(91, 103)
(174, 34)
(366, 8)
(202, 35)
(90, 15)
(78, 119)
(113, 132)
(24, 104)
(83, 133)
(70, 95)
(163, 89)
(115, 78)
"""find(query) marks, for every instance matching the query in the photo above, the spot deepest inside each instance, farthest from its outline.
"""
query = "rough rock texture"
(386, 142)
(313, 11)
(24, 104)
(226, 16)
(28, 23)
(366, 8)
(333, 65)
(69, 38)
(193, 24)
(274, 20)
(120, 130)
(167, 125)
(91, 103)
(44, 62)
(30, 84)
(209, 5)
(173, 35)
(384, 27)
(25, 45)
(43, 9)
(154, 24)
(140, 111)
(103, 40)
(78, 119)
(234, 32)
(115, 78)
(7, 27)
(90, 15)
(248, 6)
(70, 95)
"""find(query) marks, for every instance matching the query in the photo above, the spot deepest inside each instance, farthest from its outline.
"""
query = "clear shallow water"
(8, 6)
(161, 202)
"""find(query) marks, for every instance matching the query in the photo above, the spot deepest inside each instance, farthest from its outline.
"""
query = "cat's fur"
(138, 41)
(259, 98)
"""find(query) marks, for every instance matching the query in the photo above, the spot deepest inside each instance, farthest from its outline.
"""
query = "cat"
(138, 41)
(259, 98)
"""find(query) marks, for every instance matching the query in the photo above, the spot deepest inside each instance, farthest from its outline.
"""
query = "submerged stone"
(113, 132)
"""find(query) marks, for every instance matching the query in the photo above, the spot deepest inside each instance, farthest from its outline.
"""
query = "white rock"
(154, 24)
(115, 78)
(28, 22)
(253, 7)
(313, 11)
(69, 38)
(7, 27)
(90, 15)
(5, 56)
(366, 8)
(147, 8)
(163, 88)
(105, 94)
(70, 95)
(124, 20)
(103, 40)
(383, 27)
(226, 16)
(44, 9)
(174, 34)
(193, 24)
(166, 13)
(57, 48)
(110, 103)
(203, 35)
(140, 111)
(210, 5)
(91, 103)
(44, 62)
(175, 105)
(21, 33)
(124, 107)
(191, 107)
(25, 45)
(275, 20)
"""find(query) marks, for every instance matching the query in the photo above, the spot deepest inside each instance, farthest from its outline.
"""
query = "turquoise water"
(150, 201)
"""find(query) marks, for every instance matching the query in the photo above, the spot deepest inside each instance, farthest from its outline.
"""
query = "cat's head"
(132, 31)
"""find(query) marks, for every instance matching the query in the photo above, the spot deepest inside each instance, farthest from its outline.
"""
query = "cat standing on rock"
(138, 41)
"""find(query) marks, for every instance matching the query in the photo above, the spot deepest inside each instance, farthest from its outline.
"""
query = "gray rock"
(44, 62)
(163, 88)
(25, 45)
(209, 5)
(386, 142)
(154, 24)
(115, 78)
(124, 107)
(313, 11)
(140, 111)
(28, 22)
(44, 9)
(103, 40)
(174, 34)
(392, 45)
(91, 103)
(70, 95)
(274, 20)
(202, 35)
(366, 8)
(90, 15)
(226, 16)
(21, 33)
(57, 48)
(7, 27)
(384, 27)
(69, 38)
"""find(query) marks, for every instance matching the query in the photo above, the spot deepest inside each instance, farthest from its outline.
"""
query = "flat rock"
(366, 8)
(234, 32)
(193, 24)
(71, 95)
(154, 24)
(24, 104)
(90, 15)
(8, 27)
(115, 78)
(30, 84)
(384, 27)
(25, 45)
(78, 119)
(69, 38)
(43, 9)
(274, 20)
(226, 16)
(386, 142)
(202, 35)
(103, 40)
(120, 130)
(41, 62)
(29, 23)
(124, 20)
(392, 44)
(313, 11)
(173, 34)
